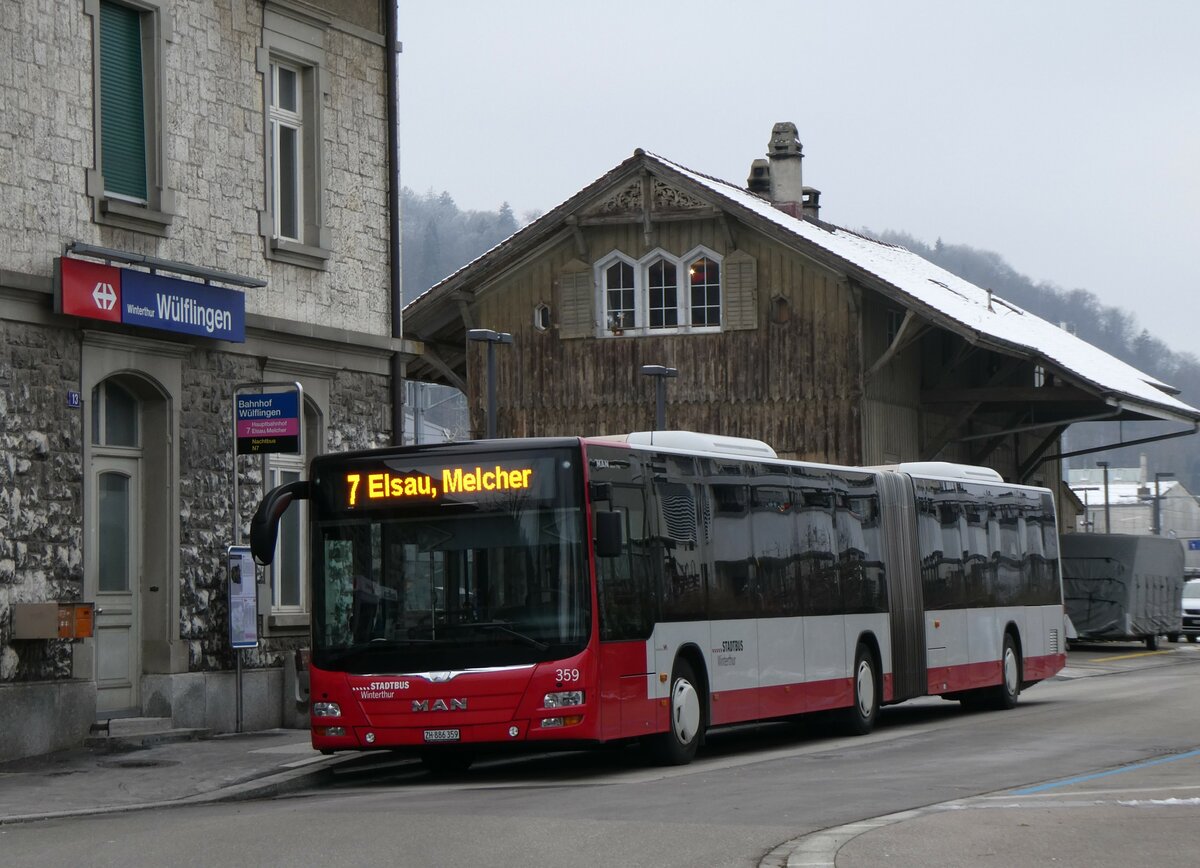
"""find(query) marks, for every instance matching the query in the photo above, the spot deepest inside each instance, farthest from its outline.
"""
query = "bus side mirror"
(608, 534)
(264, 527)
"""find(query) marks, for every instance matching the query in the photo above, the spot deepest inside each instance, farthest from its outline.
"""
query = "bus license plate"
(441, 735)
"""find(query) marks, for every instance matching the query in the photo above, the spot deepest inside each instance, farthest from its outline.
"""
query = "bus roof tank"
(948, 469)
(693, 441)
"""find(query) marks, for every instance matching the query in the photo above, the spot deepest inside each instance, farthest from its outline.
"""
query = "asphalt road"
(750, 790)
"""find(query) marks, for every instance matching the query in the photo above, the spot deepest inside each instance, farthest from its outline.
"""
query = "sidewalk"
(220, 768)
(1143, 813)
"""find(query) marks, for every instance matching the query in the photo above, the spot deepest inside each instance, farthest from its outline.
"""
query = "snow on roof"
(957, 299)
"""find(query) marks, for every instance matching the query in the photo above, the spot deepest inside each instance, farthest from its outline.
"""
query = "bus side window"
(624, 580)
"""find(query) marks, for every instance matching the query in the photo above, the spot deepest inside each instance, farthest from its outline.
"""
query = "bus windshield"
(446, 574)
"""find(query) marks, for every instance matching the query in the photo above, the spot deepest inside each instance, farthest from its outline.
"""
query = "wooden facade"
(793, 380)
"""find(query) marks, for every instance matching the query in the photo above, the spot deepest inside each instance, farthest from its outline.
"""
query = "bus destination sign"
(389, 488)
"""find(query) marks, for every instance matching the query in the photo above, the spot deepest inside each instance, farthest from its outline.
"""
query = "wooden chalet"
(826, 344)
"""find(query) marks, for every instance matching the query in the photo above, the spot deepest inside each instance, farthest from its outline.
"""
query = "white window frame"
(281, 118)
(295, 40)
(695, 254)
(607, 325)
(641, 290)
(277, 465)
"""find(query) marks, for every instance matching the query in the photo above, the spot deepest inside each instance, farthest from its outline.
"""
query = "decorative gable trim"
(668, 198)
(627, 200)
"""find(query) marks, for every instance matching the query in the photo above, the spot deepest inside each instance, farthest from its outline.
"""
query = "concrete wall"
(42, 717)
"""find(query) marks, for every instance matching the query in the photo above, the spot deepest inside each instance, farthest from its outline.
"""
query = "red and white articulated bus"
(576, 591)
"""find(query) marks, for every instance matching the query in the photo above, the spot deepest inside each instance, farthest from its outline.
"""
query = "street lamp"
(660, 375)
(491, 338)
(1166, 474)
(1107, 519)
(1087, 512)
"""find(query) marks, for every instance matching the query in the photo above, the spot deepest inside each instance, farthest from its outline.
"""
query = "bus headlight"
(326, 709)
(563, 699)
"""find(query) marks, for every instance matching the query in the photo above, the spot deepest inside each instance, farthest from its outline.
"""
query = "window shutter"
(741, 291)
(576, 296)
(122, 112)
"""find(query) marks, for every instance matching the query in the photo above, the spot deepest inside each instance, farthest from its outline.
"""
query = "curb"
(266, 786)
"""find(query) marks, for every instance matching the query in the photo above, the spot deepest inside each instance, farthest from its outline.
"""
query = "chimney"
(760, 178)
(812, 203)
(785, 154)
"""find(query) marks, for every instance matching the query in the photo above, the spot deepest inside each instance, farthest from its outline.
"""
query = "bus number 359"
(563, 675)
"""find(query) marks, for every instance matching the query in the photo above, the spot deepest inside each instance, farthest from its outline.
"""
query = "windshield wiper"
(504, 628)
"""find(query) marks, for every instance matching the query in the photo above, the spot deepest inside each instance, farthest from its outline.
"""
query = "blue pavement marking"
(1068, 781)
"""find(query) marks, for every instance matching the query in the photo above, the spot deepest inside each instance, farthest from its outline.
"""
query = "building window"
(541, 317)
(128, 184)
(644, 296)
(620, 297)
(289, 570)
(664, 295)
(115, 414)
(704, 274)
(287, 123)
(293, 66)
(122, 115)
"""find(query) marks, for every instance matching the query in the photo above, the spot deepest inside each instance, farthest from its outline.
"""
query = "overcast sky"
(1062, 134)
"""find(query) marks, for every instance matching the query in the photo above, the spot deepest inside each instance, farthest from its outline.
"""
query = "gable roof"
(975, 314)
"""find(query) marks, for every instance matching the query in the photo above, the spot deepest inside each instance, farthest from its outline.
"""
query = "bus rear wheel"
(677, 746)
(860, 718)
(1004, 695)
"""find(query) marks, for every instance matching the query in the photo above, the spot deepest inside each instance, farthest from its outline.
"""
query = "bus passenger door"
(826, 670)
(733, 603)
(628, 687)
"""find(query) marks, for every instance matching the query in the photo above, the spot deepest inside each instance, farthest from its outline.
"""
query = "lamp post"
(1107, 518)
(1158, 477)
(1088, 523)
(491, 338)
(660, 375)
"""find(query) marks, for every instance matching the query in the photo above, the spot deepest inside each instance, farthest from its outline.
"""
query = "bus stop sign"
(267, 422)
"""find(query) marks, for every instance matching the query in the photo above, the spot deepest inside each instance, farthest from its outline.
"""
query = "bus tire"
(1005, 695)
(685, 705)
(861, 716)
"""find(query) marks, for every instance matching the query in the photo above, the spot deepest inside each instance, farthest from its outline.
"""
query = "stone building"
(196, 196)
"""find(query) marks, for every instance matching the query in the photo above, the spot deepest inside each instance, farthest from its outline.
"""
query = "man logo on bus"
(439, 705)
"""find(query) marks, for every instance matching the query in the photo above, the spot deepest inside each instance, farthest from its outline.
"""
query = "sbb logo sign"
(104, 296)
(90, 290)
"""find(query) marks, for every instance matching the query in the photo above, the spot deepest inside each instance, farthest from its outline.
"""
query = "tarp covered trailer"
(1123, 586)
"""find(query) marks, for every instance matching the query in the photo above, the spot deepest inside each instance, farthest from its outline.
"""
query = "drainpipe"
(394, 272)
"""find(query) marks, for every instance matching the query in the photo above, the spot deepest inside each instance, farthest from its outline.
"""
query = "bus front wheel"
(860, 718)
(1005, 694)
(677, 746)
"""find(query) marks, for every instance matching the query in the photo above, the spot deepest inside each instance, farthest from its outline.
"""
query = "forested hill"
(439, 239)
